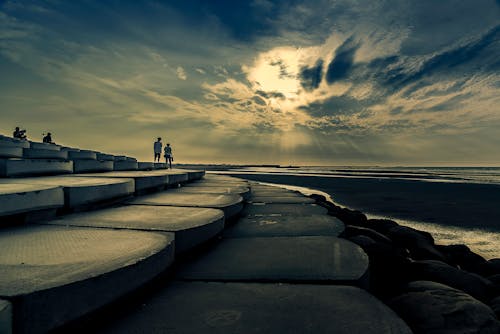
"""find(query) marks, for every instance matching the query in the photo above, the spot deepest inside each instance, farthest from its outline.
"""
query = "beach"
(454, 212)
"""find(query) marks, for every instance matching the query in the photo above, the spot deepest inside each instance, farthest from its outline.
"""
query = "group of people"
(21, 134)
(167, 152)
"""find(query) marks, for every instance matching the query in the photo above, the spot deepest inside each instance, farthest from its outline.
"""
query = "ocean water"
(485, 242)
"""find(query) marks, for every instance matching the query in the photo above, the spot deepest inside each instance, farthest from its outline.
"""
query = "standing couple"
(167, 152)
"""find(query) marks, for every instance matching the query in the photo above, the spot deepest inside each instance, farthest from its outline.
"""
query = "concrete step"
(220, 183)
(192, 174)
(175, 177)
(191, 226)
(5, 317)
(82, 155)
(13, 142)
(230, 204)
(105, 157)
(281, 200)
(11, 152)
(38, 153)
(200, 189)
(145, 166)
(52, 275)
(260, 308)
(285, 226)
(31, 167)
(83, 192)
(276, 210)
(17, 198)
(123, 165)
(216, 177)
(160, 165)
(44, 146)
(120, 158)
(281, 259)
(144, 180)
(88, 166)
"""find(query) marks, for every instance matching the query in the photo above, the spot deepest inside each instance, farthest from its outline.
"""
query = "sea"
(484, 241)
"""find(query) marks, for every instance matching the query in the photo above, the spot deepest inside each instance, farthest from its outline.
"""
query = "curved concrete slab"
(54, 274)
(120, 158)
(230, 204)
(83, 191)
(216, 177)
(31, 167)
(44, 146)
(5, 317)
(125, 165)
(12, 142)
(263, 209)
(282, 200)
(281, 259)
(105, 157)
(200, 189)
(20, 198)
(82, 155)
(160, 165)
(191, 226)
(144, 180)
(145, 166)
(174, 177)
(36, 153)
(285, 226)
(192, 174)
(88, 165)
(261, 308)
(11, 152)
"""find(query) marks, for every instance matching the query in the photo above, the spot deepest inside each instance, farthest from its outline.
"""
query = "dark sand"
(466, 205)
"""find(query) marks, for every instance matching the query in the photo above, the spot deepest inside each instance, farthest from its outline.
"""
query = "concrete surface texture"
(175, 177)
(230, 204)
(37, 153)
(145, 166)
(11, 142)
(200, 189)
(44, 146)
(53, 274)
(191, 226)
(105, 157)
(30, 167)
(285, 226)
(18, 198)
(281, 200)
(280, 259)
(143, 179)
(11, 152)
(5, 317)
(82, 155)
(125, 165)
(263, 209)
(260, 308)
(192, 174)
(89, 165)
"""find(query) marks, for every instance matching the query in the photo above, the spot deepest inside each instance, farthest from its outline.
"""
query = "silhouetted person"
(168, 155)
(157, 149)
(48, 138)
(19, 134)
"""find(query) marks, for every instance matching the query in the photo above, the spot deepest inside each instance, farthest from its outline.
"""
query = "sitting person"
(19, 134)
(48, 138)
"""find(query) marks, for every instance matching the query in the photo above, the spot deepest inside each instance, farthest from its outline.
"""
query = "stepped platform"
(191, 226)
(105, 157)
(82, 192)
(160, 165)
(82, 155)
(281, 259)
(88, 166)
(145, 166)
(144, 181)
(276, 210)
(192, 174)
(285, 226)
(261, 308)
(44, 146)
(175, 177)
(230, 204)
(38, 153)
(200, 189)
(124, 165)
(29, 167)
(10, 151)
(18, 198)
(281, 200)
(82, 270)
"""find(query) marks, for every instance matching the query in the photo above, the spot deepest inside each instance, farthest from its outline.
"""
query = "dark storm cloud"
(342, 63)
(338, 105)
(310, 77)
(268, 95)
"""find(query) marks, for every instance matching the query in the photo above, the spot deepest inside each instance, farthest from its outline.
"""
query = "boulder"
(430, 307)
(352, 217)
(420, 244)
(381, 225)
(437, 271)
(351, 231)
(461, 256)
(489, 268)
(495, 306)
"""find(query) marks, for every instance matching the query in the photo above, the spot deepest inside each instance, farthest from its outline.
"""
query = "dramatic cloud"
(319, 81)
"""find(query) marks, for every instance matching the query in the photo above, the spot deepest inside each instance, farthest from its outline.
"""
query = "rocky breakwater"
(434, 288)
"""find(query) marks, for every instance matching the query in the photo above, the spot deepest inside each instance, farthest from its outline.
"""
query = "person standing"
(157, 149)
(168, 155)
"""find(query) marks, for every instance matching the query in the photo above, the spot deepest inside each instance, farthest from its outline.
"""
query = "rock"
(381, 225)
(437, 271)
(429, 307)
(320, 199)
(495, 279)
(461, 256)
(495, 306)
(352, 217)
(489, 268)
(420, 244)
(351, 231)
(362, 241)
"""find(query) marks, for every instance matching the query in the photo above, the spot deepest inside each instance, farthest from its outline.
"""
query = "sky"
(301, 82)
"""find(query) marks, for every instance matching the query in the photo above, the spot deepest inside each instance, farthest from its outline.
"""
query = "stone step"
(200, 189)
(144, 180)
(17, 198)
(44, 146)
(260, 308)
(175, 177)
(160, 165)
(11, 152)
(124, 165)
(12, 142)
(5, 317)
(120, 158)
(276, 210)
(82, 155)
(82, 192)
(32, 167)
(88, 166)
(281, 259)
(285, 226)
(230, 204)
(105, 157)
(52, 275)
(191, 226)
(145, 166)
(38, 153)
(192, 174)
